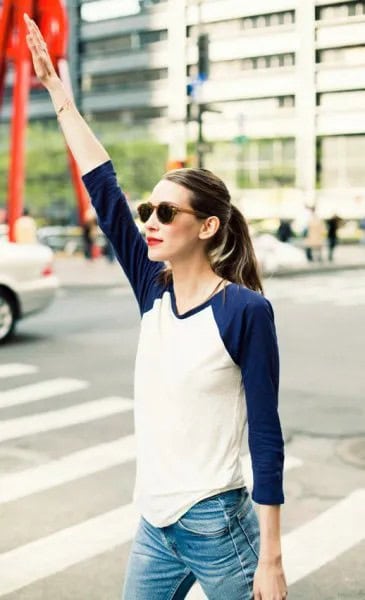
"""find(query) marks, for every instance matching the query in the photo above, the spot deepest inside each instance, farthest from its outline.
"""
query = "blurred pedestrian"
(314, 239)
(284, 232)
(207, 363)
(25, 230)
(333, 225)
(89, 229)
(108, 251)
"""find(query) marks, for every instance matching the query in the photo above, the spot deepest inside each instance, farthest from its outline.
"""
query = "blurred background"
(270, 95)
(271, 99)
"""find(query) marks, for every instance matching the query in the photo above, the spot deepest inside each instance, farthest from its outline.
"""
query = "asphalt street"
(67, 446)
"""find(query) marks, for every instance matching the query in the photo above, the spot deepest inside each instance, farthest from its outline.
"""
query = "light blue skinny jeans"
(216, 542)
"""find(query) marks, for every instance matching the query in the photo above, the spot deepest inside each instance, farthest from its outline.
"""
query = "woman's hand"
(269, 582)
(42, 62)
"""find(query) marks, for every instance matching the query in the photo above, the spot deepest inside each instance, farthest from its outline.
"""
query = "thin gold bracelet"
(66, 106)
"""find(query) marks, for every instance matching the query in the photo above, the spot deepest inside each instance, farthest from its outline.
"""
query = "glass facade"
(124, 80)
(266, 163)
(341, 161)
(126, 43)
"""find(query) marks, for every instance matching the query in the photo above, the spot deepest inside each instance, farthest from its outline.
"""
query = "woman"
(207, 361)
(315, 234)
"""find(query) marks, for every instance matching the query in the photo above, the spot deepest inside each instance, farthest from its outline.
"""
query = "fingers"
(35, 35)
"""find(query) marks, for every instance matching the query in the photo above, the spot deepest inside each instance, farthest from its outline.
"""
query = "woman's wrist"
(54, 85)
(272, 558)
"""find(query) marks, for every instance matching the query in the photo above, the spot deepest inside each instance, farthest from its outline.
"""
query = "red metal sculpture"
(51, 17)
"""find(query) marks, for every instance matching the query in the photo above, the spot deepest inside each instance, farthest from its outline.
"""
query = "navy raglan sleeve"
(259, 362)
(116, 221)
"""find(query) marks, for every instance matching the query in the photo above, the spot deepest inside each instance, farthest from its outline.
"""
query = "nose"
(152, 222)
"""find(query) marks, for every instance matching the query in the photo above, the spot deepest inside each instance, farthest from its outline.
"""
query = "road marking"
(305, 549)
(87, 462)
(44, 557)
(68, 468)
(325, 537)
(58, 419)
(14, 369)
(40, 391)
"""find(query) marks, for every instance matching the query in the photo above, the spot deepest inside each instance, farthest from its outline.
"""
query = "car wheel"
(7, 316)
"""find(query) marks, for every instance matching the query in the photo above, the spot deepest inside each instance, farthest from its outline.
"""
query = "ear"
(209, 228)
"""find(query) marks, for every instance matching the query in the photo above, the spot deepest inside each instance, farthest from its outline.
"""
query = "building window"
(269, 62)
(286, 101)
(266, 163)
(269, 20)
(125, 80)
(122, 43)
(342, 100)
(341, 161)
(249, 23)
(150, 37)
(219, 29)
(132, 115)
(351, 55)
(340, 11)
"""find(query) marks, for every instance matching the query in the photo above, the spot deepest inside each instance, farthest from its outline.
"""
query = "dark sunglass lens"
(165, 213)
(144, 211)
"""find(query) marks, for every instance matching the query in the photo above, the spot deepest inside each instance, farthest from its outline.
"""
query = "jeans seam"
(228, 519)
(238, 556)
(247, 538)
(178, 585)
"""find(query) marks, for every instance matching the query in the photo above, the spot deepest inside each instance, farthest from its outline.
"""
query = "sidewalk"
(77, 272)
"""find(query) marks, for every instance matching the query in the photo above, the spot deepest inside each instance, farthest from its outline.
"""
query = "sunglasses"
(165, 212)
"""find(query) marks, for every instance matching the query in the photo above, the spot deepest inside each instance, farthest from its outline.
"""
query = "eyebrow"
(166, 202)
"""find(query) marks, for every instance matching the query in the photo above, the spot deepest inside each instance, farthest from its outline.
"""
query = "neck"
(193, 277)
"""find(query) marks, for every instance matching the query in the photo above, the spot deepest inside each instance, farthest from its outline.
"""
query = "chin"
(154, 255)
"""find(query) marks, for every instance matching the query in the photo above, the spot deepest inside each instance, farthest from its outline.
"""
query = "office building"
(285, 93)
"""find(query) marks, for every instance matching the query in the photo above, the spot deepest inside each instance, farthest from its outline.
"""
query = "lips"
(153, 241)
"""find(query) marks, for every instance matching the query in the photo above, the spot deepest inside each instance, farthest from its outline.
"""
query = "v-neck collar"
(195, 309)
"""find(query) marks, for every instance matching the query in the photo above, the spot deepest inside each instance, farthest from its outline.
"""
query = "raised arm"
(114, 215)
(85, 147)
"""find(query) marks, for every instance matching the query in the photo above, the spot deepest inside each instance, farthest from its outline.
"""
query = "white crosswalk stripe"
(58, 419)
(15, 369)
(68, 468)
(40, 391)
(338, 289)
(85, 462)
(328, 535)
(46, 556)
(305, 549)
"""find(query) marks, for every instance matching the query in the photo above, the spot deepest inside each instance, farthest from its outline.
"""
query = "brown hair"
(230, 251)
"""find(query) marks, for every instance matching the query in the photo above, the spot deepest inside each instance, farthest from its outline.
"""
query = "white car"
(273, 255)
(27, 283)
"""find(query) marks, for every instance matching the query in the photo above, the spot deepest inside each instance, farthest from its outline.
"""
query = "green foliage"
(139, 163)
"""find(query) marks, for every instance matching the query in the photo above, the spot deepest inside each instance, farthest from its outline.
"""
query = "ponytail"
(234, 256)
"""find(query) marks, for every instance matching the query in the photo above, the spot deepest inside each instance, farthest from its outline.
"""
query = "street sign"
(204, 147)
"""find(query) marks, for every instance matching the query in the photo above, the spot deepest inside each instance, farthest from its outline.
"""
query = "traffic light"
(203, 56)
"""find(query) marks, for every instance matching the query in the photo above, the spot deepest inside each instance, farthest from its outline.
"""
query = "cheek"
(181, 233)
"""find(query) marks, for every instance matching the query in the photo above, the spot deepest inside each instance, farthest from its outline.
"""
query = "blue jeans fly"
(216, 542)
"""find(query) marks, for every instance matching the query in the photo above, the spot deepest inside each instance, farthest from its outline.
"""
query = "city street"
(67, 446)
